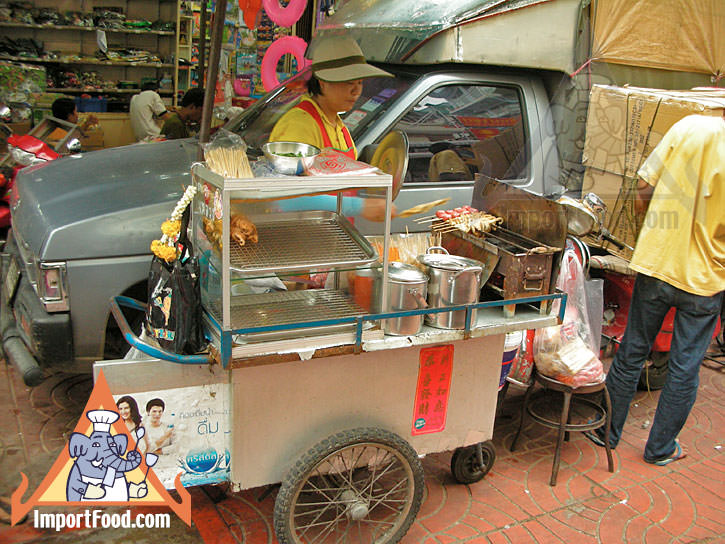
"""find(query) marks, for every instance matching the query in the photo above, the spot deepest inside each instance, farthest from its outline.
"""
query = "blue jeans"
(694, 325)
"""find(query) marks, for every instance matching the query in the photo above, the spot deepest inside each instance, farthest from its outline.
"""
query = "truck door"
(455, 131)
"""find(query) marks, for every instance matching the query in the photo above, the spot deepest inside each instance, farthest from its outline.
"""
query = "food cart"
(303, 387)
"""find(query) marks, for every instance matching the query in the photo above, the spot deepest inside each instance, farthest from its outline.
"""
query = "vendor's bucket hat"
(338, 59)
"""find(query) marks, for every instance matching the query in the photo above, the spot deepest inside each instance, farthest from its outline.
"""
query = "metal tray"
(286, 307)
(300, 241)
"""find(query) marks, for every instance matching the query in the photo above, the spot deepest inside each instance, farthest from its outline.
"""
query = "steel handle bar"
(136, 342)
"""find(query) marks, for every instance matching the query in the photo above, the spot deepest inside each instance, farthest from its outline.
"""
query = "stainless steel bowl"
(280, 155)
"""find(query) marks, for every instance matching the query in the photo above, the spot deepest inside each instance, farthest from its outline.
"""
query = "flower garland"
(166, 247)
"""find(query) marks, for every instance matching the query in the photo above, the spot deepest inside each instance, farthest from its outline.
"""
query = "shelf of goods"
(86, 28)
(74, 46)
(239, 314)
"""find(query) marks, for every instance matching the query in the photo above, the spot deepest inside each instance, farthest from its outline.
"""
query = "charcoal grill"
(528, 245)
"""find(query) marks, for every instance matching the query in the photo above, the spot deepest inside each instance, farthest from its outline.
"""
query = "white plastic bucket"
(511, 346)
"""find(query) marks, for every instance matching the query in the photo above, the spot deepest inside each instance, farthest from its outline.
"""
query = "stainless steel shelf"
(287, 307)
(300, 241)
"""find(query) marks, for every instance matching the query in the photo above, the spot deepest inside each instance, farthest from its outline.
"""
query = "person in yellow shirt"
(680, 260)
(338, 69)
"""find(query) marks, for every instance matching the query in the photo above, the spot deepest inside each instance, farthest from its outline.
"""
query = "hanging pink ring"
(293, 45)
(284, 16)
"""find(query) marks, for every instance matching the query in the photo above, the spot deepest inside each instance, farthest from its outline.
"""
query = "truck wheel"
(655, 370)
(360, 485)
(465, 465)
(115, 346)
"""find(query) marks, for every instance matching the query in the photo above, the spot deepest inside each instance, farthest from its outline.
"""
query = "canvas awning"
(684, 35)
(524, 33)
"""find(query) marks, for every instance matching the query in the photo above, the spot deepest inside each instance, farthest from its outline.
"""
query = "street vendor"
(338, 68)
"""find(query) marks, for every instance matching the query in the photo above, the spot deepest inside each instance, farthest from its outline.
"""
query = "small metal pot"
(453, 281)
(406, 291)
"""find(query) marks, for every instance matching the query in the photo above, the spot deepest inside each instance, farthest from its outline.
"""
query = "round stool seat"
(569, 411)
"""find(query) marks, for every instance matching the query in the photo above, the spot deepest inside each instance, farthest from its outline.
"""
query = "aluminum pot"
(407, 288)
(453, 281)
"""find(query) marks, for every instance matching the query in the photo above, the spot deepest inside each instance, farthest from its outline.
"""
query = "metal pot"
(406, 291)
(453, 281)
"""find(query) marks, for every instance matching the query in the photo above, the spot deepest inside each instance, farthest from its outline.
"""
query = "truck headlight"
(51, 286)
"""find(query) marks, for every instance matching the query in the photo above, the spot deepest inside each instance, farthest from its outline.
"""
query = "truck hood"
(79, 206)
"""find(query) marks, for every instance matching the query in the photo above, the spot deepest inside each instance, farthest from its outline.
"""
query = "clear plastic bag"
(226, 155)
(568, 352)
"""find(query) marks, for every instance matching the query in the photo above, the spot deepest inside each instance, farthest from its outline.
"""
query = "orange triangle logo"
(101, 466)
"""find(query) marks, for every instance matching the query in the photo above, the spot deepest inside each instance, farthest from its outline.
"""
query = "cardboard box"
(20, 128)
(92, 140)
(620, 218)
(624, 124)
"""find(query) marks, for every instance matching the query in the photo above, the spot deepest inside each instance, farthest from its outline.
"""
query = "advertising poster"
(187, 427)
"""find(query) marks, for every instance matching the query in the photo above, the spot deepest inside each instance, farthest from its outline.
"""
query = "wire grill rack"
(301, 244)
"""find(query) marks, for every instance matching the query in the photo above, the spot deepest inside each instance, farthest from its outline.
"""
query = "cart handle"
(136, 342)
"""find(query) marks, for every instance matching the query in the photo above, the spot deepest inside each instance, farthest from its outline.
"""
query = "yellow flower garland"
(166, 247)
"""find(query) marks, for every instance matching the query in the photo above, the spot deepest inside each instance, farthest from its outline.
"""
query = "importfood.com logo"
(101, 466)
(94, 519)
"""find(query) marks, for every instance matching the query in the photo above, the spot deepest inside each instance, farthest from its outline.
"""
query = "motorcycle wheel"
(654, 373)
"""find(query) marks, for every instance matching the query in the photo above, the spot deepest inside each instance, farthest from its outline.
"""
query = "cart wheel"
(465, 465)
(360, 485)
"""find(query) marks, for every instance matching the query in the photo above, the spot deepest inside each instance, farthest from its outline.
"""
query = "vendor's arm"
(372, 209)
(642, 196)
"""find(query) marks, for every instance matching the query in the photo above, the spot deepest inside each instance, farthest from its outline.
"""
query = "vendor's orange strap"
(310, 108)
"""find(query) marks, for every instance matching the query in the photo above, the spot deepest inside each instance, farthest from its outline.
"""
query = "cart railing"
(358, 321)
(144, 347)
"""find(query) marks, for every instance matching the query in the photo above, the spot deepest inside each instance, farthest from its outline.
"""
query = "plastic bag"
(226, 155)
(174, 313)
(568, 352)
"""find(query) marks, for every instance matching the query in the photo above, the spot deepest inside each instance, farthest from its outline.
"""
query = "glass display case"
(274, 267)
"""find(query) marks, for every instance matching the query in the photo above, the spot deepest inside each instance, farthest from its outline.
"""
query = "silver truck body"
(86, 221)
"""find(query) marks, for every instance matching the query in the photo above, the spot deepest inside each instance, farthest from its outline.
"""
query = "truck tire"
(365, 483)
(115, 345)
(655, 371)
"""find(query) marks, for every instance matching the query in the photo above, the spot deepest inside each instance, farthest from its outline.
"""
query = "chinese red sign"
(434, 384)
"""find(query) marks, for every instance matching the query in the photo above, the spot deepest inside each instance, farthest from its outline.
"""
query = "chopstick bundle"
(230, 162)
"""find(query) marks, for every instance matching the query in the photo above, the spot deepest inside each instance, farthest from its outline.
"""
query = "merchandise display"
(94, 49)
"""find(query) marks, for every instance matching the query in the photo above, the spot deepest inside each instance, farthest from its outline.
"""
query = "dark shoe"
(595, 439)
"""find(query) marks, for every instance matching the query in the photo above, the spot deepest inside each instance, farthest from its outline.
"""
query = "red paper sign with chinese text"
(431, 395)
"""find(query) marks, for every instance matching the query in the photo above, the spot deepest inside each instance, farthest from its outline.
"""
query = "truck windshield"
(255, 124)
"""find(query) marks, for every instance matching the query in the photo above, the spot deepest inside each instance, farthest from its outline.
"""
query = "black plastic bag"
(173, 313)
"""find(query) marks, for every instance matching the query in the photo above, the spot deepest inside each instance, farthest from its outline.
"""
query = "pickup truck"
(82, 225)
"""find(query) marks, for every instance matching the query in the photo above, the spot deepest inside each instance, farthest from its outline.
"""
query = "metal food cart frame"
(330, 420)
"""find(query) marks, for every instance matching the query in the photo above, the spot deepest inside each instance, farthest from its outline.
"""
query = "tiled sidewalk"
(682, 502)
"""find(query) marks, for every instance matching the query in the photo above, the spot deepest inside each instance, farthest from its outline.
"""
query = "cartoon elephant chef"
(98, 472)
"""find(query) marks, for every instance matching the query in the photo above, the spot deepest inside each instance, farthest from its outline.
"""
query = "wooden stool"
(602, 415)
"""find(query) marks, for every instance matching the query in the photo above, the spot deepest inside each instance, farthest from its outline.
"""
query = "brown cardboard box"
(20, 128)
(620, 219)
(624, 124)
(92, 140)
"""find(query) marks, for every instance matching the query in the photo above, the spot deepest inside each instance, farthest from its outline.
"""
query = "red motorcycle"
(23, 151)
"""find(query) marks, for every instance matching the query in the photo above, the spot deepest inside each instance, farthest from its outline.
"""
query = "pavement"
(680, 502)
